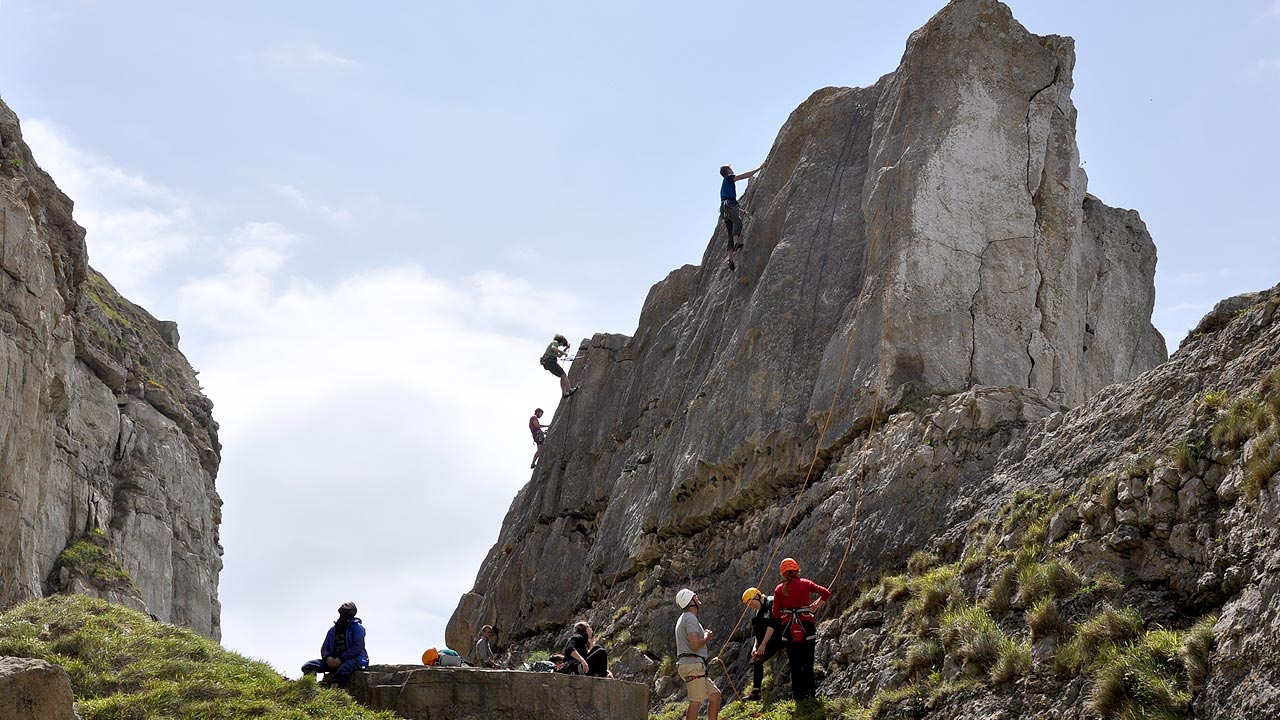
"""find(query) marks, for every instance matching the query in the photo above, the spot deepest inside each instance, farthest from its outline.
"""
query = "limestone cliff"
(108, 449)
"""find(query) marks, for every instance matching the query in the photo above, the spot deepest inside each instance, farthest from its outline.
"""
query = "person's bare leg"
(564, 384)
(692, 712)
(537, 454)
(713, 707)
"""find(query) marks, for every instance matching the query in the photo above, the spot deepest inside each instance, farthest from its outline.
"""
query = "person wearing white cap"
(691, 657)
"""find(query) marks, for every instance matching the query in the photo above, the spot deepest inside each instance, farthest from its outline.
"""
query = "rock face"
(102, 423)
(919, 237)
(421, 693)
(34, 690)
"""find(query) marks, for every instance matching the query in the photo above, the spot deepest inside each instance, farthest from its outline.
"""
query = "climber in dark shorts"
(558, 348)
(730, 211)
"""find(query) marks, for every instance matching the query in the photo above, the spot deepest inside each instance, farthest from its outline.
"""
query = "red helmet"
(788, 565)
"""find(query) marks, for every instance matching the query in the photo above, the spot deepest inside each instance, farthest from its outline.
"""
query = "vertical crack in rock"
(1031, 102)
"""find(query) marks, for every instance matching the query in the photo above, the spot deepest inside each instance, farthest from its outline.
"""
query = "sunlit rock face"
(103, 426)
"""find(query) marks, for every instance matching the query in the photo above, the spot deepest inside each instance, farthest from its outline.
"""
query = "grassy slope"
(125, 666)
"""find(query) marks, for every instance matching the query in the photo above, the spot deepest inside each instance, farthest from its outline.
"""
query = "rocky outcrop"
(437, 693)
(34, 690)
(917, 238)
(102, 423)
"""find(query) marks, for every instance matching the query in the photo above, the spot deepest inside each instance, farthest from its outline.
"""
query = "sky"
(368, 219)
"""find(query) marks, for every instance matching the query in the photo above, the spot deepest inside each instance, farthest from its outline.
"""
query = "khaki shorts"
(701, 688)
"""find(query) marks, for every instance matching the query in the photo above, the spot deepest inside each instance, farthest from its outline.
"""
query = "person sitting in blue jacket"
(343, 650)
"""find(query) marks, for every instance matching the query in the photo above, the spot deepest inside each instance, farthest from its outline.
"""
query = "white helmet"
(684, 597)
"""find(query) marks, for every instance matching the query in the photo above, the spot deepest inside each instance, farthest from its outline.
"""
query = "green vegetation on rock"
(125, 666)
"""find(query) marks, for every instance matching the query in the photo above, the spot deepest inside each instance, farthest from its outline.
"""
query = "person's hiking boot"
(532, 465)
(732, 267)
(572, 390)
(754, 696)
(738, 246)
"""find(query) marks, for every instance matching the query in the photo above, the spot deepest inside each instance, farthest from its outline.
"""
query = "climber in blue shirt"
(730, 212)
(342, 652)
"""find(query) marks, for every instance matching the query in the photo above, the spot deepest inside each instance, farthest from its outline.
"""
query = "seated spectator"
(583, 656)
(342, 652)
(482, 655)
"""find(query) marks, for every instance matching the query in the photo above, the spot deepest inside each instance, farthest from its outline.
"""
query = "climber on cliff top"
(550, 361)
(342, 651)
(730, 211)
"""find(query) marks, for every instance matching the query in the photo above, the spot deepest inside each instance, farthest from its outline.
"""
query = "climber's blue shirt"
(728, 191)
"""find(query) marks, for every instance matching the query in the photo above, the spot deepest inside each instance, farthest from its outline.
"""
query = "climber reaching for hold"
(558, 348)
(730, 211)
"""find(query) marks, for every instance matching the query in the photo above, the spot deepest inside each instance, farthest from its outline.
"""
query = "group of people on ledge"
(784, 619)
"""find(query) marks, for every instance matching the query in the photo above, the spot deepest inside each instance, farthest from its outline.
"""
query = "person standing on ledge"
(550, 361)
(730, 212)
(342, 651)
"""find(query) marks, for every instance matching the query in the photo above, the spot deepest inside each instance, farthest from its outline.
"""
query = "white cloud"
(374, 433)
(309, 56)
(134, 227)
(308, 203)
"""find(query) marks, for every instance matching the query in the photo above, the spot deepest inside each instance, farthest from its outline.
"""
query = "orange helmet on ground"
(788, 565)
(430, 657)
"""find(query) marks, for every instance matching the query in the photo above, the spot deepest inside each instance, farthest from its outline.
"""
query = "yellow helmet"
(750, 594)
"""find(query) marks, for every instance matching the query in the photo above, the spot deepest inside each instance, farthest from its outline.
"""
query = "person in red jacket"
(792, 605)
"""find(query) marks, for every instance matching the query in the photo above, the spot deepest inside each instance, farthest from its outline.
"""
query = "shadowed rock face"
(102, 422)
(924, 235)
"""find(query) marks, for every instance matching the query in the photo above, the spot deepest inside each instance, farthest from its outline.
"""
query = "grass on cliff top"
(125, 666)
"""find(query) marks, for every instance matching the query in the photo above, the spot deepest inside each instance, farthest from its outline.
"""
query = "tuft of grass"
(1049, 579)
(537, 656)
(1184, 455)
(970, 636)
(620, 612)
(815, 709)
(123, 665)
(921, 561)
(895, 587)
(91, 555)
(1197, 643)
(1263, 464)
(881, 703)
(998, 601)
(1043, 619)
(1141, 679)
(1215, 400)
(1244, 419)
(1109, 627)
(1108, 496)
(1013, 662)
(923, 655)
(934, 591)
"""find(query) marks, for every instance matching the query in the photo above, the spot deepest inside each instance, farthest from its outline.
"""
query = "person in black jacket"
(582, 656)
(768, 632)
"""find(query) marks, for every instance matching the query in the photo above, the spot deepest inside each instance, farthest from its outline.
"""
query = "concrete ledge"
(416, 692)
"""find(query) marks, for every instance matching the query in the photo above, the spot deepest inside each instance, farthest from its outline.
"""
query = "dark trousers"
(597, 664)
(757, 666)
(800, 657)
(338, 675)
